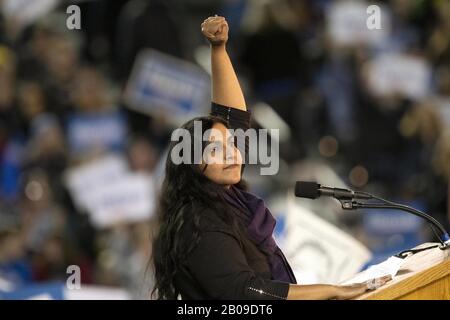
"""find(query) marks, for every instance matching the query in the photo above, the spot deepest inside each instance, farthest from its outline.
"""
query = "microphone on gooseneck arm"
(313, 190)
(348, 200)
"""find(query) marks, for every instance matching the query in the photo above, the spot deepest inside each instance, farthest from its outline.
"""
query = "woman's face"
(223, 159)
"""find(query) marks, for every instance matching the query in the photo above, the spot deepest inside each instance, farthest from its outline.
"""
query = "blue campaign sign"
(160, 83)
(45, 291)
(102, 130)
(388, 222)
(391, 231)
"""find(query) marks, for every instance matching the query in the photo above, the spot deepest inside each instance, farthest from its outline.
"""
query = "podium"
(424, 275)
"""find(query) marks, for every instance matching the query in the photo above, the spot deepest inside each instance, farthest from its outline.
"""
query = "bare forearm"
(225, 84)
(226, 89)
(311, 292)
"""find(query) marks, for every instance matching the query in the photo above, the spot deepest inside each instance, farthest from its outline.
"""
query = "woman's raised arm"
(225, 84)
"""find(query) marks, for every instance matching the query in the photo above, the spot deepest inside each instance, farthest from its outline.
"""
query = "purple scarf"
(260, 225)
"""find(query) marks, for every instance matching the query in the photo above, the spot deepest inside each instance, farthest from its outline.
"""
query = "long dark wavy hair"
(185, 191)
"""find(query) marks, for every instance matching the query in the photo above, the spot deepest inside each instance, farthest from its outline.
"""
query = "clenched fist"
(215, 30)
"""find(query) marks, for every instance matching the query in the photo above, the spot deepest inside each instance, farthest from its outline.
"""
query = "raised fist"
(215, 30)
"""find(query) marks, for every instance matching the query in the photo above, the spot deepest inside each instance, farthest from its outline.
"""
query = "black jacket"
(224, 264)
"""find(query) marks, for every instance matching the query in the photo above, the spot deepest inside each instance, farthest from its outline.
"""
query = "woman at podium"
(215, 238)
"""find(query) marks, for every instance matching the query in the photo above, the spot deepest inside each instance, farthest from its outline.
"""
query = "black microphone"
(313, 190)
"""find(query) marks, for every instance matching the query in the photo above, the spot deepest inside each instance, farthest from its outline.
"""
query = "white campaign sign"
(349, 23)
(91, 292)
(318, 251)
(131, 199)
(110, 193)
(84, 181)
(25, 12)
(399, 73)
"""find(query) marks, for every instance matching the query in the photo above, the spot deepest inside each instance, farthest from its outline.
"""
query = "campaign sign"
(162, 84)
(347, 24)
(96, 131)
(110, 193)
(403, 74)
(318, 251)
(83, 181)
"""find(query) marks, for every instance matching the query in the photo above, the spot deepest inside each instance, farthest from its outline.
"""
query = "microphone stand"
(351, 204)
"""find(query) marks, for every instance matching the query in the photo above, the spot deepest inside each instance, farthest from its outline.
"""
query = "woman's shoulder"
(206, 219)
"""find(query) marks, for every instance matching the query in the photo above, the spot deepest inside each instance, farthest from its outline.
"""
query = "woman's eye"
(215, 149)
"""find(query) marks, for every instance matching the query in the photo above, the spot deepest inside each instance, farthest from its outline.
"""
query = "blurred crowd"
(57, 85)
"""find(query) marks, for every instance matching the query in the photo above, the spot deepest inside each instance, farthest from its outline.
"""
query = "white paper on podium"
(388, 267)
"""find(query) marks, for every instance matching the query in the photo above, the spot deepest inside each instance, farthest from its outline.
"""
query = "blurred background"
(86, 115)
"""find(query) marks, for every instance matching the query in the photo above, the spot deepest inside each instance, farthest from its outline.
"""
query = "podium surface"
(424, 275)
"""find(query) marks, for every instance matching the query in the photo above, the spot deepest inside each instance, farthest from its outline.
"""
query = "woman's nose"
(230, 154)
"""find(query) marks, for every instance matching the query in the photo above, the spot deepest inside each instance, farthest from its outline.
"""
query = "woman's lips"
(230, 166)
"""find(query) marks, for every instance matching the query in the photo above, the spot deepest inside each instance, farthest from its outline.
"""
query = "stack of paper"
(388, 267)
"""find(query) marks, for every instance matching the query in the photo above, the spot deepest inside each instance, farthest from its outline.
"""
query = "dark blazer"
(224, 264)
